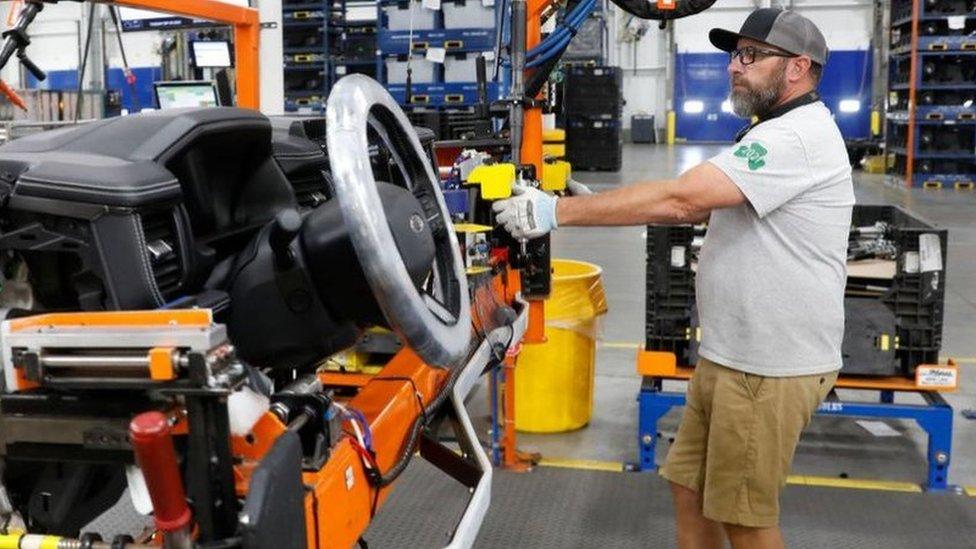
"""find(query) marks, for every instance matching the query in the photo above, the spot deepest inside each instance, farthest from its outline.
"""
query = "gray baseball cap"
(784, 29)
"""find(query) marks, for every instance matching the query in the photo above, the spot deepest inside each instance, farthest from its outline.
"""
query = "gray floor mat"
(569, 509)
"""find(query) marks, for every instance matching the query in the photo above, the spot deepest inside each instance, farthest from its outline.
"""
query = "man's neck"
(793, 94)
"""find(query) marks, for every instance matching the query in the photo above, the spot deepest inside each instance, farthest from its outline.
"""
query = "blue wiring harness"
(559, 40)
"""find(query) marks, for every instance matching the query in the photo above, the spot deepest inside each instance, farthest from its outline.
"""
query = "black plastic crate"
(594, 145)
(593, 90)
(671, 323)
(447, 124)
(891, 326)
(598, 161)
(358, 47)
(915, 299)
(948, 69)
(596, 75)
(932, 98)
(304, 37)
(304, 81)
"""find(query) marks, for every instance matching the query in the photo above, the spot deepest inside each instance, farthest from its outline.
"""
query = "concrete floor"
(831, 446)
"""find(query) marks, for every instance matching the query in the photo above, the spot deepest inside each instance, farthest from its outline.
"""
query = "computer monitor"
(174, 95)
(211, 54)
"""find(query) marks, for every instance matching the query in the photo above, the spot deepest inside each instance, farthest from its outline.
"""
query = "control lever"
(482, 76)
(30, 66)
(482, 121)
(523, 242)
(287, 225)
(16, 40)
(409, 84)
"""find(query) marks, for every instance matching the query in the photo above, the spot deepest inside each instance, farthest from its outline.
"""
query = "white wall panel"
(845, 24)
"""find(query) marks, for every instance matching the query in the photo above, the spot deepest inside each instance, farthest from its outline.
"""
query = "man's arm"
(688, 199)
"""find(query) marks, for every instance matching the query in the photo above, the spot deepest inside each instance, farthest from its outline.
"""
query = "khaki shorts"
(737, 439)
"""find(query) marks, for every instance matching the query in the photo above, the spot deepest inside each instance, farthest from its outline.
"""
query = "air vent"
(163, 247)
(311, 190)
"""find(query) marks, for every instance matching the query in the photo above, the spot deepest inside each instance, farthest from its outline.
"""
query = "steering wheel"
(435, 318)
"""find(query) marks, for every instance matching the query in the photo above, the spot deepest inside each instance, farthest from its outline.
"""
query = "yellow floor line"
(797, 480)
(585, 464)
(964, 359)
(970, 491)
(619, 345)
(860, 484)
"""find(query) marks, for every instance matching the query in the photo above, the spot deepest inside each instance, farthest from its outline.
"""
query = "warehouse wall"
(847, 25)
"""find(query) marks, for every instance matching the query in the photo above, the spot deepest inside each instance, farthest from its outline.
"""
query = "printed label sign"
(936, 377)
(436, 55)
(929, 252)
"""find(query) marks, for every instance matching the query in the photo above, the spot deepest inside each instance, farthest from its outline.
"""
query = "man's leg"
(746, 537)
(684, 467)
(694, 530)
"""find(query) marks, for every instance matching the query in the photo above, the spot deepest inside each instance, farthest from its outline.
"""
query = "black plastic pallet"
(887, 335)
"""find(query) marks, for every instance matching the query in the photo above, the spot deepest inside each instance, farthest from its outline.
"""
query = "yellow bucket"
(554, 380)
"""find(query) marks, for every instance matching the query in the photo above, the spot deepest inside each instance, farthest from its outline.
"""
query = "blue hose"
(557, 40)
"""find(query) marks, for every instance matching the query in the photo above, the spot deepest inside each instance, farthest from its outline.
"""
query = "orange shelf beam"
(664, 365)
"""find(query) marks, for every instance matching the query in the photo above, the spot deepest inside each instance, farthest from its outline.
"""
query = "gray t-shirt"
(772, 271)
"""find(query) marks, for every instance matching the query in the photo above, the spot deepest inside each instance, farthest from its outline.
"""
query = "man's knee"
(683, 494)
(753, 537)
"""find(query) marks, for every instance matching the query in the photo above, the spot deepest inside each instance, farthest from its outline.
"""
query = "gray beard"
(749, 103)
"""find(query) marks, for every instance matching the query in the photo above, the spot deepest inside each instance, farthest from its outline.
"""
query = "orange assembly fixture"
(391, 407)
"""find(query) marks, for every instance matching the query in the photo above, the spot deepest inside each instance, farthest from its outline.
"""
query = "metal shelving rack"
(931, 120)
(443, 92)
(321, 45)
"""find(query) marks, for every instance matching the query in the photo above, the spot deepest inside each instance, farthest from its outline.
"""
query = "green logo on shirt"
(754, 153)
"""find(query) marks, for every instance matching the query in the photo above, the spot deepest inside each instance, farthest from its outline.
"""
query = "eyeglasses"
(749, 54)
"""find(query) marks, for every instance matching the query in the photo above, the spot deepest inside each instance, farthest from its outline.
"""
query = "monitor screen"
(211, 54)
(175, 95)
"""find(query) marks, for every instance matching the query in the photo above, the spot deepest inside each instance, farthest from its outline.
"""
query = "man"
(770, 283)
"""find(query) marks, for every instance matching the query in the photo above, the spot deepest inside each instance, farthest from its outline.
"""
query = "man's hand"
(529, 214)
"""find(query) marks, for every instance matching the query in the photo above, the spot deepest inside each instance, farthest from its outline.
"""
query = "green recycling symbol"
(754, 153)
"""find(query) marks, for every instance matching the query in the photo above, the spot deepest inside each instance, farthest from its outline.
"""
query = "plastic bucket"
(554, 380)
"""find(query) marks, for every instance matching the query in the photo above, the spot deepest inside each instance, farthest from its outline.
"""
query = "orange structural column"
(531, 152)
(912, 95)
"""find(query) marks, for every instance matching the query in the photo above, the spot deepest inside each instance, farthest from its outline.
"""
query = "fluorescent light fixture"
(850, 105)
(693, 106)
(727, 106)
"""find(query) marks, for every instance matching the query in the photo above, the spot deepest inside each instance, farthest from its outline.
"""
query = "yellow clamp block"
(471, 228)
(496, 180)
(555, 175)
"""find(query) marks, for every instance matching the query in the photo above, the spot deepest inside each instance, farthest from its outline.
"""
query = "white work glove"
(575, 188)
(529, 214)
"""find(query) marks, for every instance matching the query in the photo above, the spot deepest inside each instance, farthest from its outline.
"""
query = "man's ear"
(800, 66)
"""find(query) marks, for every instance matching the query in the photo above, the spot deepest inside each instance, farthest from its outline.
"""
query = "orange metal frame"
(535, 333)
(340, 503)
(912, 94)
(247, 36)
